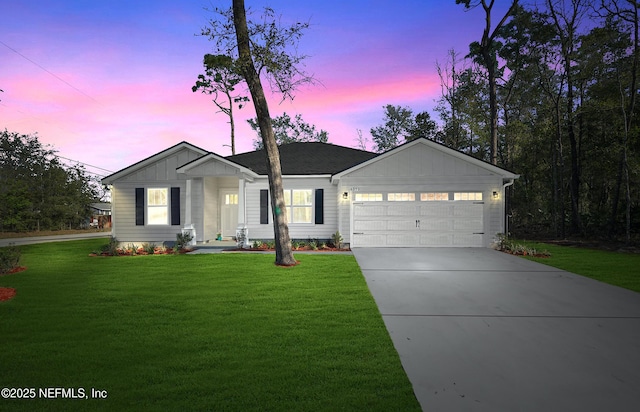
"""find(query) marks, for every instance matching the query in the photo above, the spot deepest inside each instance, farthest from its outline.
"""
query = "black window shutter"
(175, 206)
(139, 206)
(264, 207)
(319, 206)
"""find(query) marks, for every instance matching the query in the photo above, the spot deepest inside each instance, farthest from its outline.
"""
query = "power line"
(85, 164)
(51, 73)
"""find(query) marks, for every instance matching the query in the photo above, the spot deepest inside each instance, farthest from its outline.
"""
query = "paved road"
(479, 330)
(54, 238)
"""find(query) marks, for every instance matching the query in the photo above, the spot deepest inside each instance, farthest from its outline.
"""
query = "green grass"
(615, 268)
(229, 332)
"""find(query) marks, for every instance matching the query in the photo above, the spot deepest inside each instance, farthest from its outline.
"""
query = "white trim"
(150, 160)
(188, 204)
(249, 174)
(303, 176)
(242, 207)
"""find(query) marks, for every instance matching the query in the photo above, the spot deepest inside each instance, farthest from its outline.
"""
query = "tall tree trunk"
(493, 104)
(566, 23)
(487, 51)
(232, 122)
(284, 253)
(559, 176)
(576, 221)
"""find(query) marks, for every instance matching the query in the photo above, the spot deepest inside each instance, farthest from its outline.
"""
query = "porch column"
(241, 201)
(242, 235)
(188, 223)
(187, 211)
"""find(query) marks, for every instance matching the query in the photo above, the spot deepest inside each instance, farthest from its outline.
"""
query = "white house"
(419, 194)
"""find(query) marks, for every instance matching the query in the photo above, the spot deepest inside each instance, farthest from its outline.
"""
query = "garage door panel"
(436, 209)
(361, 210)
(402, 209)
(466, 209)
(463, 239)
(403, 225)
(406, 224)
(363, 240)
(436, 224)
(468, 224)
(366, 225)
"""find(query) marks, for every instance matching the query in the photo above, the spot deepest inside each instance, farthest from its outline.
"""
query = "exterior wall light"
(496, 195)
(345, 195)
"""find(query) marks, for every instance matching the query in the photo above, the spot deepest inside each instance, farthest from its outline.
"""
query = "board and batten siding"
(158, 174)
(419, 161)
(301, 231)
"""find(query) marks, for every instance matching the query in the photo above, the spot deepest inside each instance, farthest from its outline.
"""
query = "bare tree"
(486, 50)
(566, 20)
(222, 77)
(361, 141)
(629, 16)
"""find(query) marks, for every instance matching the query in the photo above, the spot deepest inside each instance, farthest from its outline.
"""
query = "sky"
(108, 83)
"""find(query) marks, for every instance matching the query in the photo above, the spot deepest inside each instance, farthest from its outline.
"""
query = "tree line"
(565, 115)
(37, 192)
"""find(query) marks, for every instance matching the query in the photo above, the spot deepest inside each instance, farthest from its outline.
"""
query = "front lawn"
(223, 332)
(615, 268)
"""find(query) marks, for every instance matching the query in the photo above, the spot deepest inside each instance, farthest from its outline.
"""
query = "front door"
(229, 212)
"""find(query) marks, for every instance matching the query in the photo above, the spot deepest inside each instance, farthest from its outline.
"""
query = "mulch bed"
(300, 249)
(7, 293)
(536, 255)
(14, 270)
(140, 252)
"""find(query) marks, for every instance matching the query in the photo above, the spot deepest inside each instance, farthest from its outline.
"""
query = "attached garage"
(423, 194)
(418, 223)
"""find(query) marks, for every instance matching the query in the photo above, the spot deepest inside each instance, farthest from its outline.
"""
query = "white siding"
(124, 217)
(161, 173)
(296, 231)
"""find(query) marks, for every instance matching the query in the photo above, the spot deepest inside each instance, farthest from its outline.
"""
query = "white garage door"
(416, 224)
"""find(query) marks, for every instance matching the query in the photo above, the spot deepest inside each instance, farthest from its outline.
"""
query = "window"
(231, 199)
(157, 206)
(299, 205)
(467, 196)
(401, 197)
(432, 197)
(368, 197)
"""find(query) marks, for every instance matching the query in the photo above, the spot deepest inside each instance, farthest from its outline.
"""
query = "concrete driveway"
(480, 330)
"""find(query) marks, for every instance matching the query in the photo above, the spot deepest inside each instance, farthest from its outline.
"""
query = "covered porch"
(214, 200)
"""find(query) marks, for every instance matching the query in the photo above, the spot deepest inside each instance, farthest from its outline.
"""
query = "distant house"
(100, 215)
(419, 194)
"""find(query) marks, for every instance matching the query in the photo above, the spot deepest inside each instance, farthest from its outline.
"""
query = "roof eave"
(210, 155)
(108, 180)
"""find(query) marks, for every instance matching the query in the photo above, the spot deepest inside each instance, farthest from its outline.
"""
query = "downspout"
(504, 196)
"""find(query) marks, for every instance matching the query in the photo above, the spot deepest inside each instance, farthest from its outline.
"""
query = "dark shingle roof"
(306, 158)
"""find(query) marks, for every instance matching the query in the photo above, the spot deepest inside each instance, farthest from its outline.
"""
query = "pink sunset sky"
(108, 83)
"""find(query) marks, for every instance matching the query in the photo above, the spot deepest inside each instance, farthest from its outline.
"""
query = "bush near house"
(9, 258)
